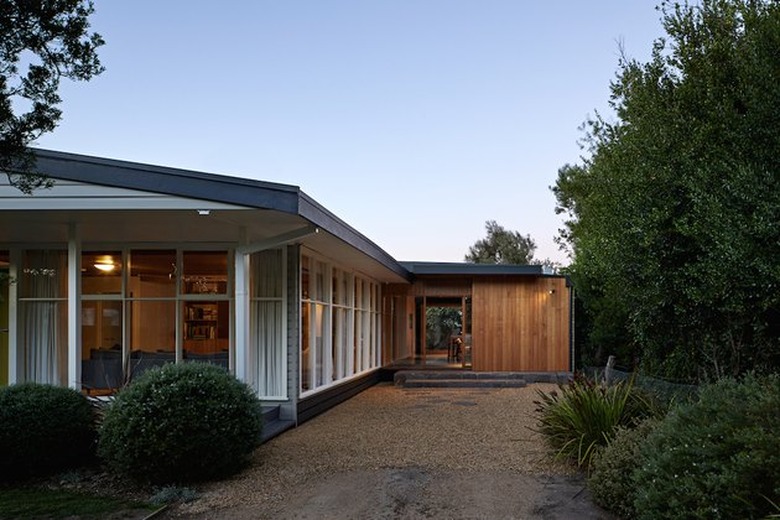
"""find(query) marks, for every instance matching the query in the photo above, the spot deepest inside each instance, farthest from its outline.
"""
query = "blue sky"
(415, 121)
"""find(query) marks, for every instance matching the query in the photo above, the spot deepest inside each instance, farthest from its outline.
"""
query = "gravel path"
(406, 453)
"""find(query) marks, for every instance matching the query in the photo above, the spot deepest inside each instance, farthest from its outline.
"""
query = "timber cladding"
(520, 324)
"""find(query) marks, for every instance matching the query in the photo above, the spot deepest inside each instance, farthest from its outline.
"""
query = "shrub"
(610, 480)
(43, 429)
(586, 415)
(181, 423)
(716, 458)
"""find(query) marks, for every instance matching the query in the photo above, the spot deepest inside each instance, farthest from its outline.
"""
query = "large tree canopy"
(673, 215)
(41, 41)
(501, 246)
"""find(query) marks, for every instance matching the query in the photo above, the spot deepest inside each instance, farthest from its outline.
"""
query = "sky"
(415, 121)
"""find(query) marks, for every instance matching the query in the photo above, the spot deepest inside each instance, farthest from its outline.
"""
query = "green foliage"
(715, 458)
(586, 415)
(38, 503)
(51, 40)
(43, 429)
(442, 323)
(501, 246)
(610, 479)
(180, 423)
(672, 215)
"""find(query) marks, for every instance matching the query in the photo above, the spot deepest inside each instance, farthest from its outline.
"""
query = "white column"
(242, 316)
(74, 307)
(14, 272)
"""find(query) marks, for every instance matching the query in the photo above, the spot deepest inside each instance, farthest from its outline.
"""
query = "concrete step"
(402, 376)
(464, 383)
(272, 424)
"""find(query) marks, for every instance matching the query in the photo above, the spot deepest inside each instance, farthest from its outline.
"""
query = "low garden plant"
(718, 457)
(181, 423)
(610, 480)
(43, 429)
(585, 415)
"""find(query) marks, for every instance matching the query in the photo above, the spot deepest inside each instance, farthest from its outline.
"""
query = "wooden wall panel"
(520, 324)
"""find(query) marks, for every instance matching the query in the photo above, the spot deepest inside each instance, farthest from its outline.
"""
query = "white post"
(14, 272)
(241, 316)
(74, 307)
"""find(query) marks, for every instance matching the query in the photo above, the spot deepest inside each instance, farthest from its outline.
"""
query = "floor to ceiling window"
(267, 323)
(143, 308)
(43, 308)
(340, 323)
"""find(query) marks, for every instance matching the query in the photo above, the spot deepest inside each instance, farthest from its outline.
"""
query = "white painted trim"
(74, 306)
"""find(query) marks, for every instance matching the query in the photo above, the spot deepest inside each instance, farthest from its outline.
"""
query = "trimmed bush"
(716, 458)
(586, 415)
(43, 429)
(610, 479)
(181, 423)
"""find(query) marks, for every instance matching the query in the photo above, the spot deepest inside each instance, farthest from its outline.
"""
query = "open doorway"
(444, 331)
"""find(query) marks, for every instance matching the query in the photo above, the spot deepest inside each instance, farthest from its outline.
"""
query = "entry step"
(458, 379)
(463, 383)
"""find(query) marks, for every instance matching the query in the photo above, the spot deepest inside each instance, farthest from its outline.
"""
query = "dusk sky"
(414, 121)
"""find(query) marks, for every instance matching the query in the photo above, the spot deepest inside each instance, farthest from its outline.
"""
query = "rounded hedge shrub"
(181, 423)
(610, 480)
(716, 458)
(43, 429)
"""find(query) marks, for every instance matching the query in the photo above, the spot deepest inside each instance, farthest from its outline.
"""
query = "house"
(121, 266)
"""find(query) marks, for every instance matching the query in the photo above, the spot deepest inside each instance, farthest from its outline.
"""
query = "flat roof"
(463, 268)
(210, 187)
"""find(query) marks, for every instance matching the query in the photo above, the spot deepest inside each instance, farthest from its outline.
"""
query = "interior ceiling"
(100, 228)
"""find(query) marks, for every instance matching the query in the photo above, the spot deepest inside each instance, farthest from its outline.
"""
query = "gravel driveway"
(406, 453)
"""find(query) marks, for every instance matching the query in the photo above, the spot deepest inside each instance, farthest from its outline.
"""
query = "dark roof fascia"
(321, 217)
(168, 181)
(211, 187)
(466, 269)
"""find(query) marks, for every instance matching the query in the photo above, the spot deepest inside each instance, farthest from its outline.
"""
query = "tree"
(41, 42)
(501, 246)
(672, 215)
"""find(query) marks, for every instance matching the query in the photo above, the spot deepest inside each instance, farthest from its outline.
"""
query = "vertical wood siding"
(520, 324)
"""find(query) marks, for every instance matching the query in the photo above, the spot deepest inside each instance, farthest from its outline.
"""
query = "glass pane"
(266, 274)
(205, 272)
(207, 332)
(268, 339)
(152, 274)
(319, 289)
(43, 334)
(319, 344)
(305, 348)
(101, 339)
(44, 275)
(101, 272)
(305, 277)
(152, 334)
(335, 292)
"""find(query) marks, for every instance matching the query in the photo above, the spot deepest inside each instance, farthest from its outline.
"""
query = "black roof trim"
(320, 216)
(210, 187)
(168, 181)
(462, 268)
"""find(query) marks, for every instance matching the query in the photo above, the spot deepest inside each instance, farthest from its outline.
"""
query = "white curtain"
(43, 323)
(267, 323)
(268, 339)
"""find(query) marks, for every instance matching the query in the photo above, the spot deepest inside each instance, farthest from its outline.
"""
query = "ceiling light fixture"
(105, 264)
